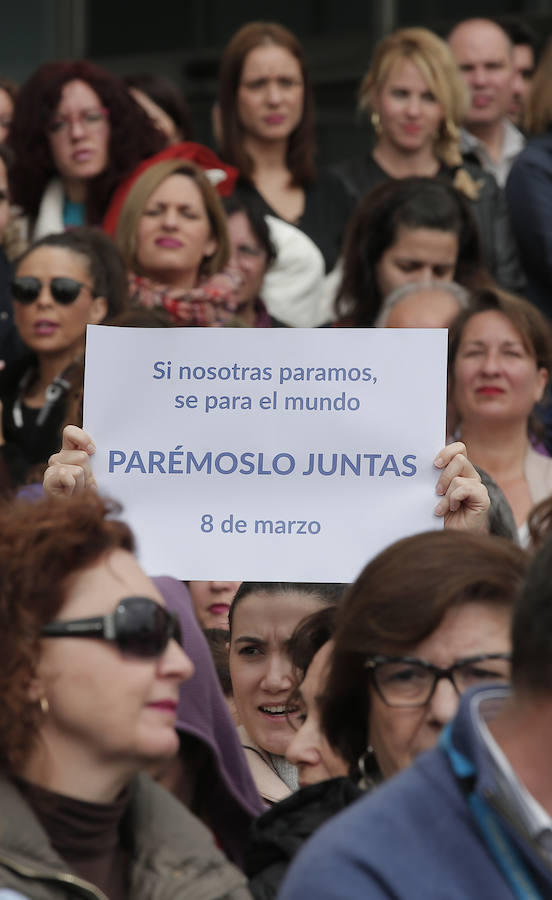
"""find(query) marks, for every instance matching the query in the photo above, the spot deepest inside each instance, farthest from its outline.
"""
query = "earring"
(44, 706)
(376, 123)
(366, 765)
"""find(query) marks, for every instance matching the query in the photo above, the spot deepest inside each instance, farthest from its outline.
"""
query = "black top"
(29, 443)
(362, 174)
(328, 208)
(277, 835)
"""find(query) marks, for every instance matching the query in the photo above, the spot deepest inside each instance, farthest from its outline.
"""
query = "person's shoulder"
(170, 842)
(359, 845)
(537, 152)
(359, 174)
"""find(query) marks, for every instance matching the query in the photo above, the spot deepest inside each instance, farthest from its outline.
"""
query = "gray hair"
(460, 294)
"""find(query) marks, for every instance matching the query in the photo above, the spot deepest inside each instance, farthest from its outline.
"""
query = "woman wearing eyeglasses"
(89, 687)
(267, 132)
(77, 132)
(61, 284)
(427, 618)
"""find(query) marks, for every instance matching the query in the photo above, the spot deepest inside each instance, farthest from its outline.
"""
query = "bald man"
(485, 57)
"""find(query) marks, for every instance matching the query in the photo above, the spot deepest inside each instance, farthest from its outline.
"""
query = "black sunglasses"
(139, 627)
(26, 288)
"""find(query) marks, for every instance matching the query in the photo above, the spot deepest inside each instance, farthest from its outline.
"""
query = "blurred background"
(184, 38)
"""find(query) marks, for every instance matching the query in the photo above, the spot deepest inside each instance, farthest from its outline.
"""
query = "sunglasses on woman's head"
(139, 627)
(26, 289)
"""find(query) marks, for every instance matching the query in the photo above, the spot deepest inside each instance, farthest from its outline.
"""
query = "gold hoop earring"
(44, 706)
(376, 122)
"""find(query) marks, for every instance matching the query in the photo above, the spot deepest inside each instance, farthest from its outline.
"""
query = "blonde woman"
(172, 234)
(417, 99)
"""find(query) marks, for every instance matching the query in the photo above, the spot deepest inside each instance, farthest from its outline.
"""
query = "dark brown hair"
(413, 202)
(398, 600)
(301, 145)
(532, 627)
(41, 545)
(325, 593)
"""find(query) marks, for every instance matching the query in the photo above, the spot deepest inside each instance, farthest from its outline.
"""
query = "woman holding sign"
(500, 362)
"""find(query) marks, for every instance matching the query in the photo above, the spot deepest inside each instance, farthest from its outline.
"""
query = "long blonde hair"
(433, 58)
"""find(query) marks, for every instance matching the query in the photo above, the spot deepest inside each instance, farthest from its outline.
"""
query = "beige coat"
(173, 855)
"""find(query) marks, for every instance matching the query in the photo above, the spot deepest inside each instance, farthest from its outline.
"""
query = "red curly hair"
(41, 545)
(132, 135)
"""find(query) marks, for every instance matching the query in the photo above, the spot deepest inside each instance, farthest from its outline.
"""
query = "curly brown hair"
(41, 545)
(132, 135)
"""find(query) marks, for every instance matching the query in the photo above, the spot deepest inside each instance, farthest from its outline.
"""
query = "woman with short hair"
(89, 686)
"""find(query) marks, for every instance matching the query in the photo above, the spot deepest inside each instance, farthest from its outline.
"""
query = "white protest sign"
(267, 454)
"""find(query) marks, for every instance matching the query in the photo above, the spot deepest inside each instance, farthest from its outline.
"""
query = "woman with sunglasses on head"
(417, 99)
(89, 687)
(425, 621)
(61, 284)
(77, 132)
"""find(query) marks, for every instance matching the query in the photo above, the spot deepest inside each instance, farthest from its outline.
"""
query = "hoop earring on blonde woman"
(376, 123)
(44, 706)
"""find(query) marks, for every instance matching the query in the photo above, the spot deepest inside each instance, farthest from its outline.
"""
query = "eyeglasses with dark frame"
(405, 681)
(138, 626)
(26, 289)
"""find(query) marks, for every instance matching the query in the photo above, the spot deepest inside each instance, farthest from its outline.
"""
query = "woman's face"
(417, 254)
(6, 114)
(410, 114)
(308, 749)
(495, 377)
(159, 118)
(79, 133)
(108, 712)
(260, 666)
(398, 735)
(212, 601)
(270, 95)
(48, 327)
(248, 256)
(174, 233)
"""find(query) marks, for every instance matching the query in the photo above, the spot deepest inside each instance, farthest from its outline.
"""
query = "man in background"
(485, 57)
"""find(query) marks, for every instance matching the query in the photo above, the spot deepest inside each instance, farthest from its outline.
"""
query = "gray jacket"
(173, 858)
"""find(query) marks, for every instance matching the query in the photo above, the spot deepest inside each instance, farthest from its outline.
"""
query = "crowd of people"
(235, 739)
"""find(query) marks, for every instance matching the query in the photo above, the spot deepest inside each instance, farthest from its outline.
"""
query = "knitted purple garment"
(233, 800)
